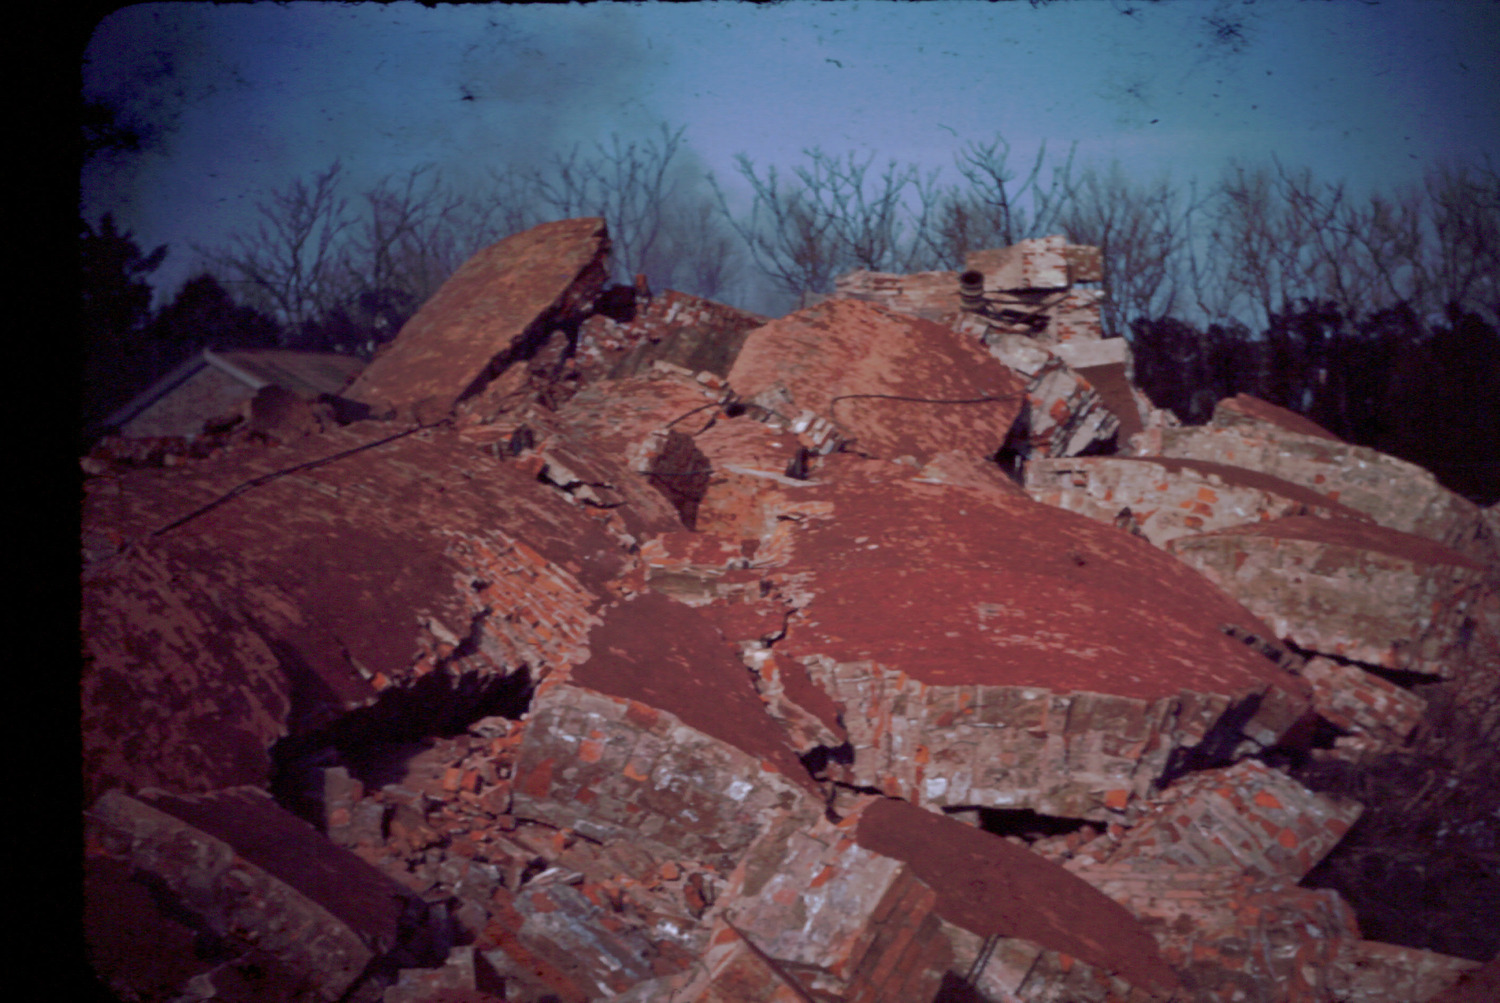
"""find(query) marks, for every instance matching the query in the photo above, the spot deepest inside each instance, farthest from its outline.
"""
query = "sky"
(248, 97)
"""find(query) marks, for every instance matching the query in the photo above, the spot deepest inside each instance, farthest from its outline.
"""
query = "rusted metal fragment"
(497, 308)
(993, 889)
(1161, 498)
(895, 386)
(1347, 588)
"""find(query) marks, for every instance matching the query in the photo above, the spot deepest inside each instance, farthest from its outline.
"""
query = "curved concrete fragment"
(499, 306)
(248, 873)
(1162, 498)
(177, 691)
(1345, 588)
(1248, 432)
(992, 651)
(267, 590)
(894, 386)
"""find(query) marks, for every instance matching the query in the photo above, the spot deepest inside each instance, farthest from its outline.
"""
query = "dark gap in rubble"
(529, 344)
(618, 303)
(1285, 657)
(425, 934)
(1011, 456)
(1404, 678)
(1295, 750)
(680, 473)
(520, 441)
(956, 989)
(1216, 748)
(816, 759)
(1025, 823)
(798, 467)
(376, 741)
(1102, 447)
(344, 410)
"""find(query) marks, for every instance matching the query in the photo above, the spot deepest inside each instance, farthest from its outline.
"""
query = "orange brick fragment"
(1266, 799)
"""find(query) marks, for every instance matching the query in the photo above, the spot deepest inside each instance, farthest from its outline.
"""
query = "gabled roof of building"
(306, 374)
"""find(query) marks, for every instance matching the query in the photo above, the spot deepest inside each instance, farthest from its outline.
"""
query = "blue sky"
(258, 94)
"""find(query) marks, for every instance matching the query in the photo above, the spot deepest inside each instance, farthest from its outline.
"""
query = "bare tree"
(989, 209)
(789, 240)
(409, 237)
(294, 266)
(1141, 231)
(629, 184)
(1464, 207)
(697, 253)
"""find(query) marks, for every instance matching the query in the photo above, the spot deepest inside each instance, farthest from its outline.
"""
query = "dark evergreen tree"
(203, 315)
(115, 309)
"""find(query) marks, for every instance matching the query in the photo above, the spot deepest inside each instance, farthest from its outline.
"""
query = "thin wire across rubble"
(275, 474)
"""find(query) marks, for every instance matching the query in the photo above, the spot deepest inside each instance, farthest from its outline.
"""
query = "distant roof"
(306, 374)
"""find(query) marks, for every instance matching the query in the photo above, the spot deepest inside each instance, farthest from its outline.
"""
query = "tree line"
(1374, 314)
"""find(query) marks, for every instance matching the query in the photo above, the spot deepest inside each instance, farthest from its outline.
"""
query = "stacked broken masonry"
(602, 645)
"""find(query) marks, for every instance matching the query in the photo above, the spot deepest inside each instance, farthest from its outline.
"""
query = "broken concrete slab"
(659, 738)
(1350, 589)
(834, 916)
(500, 306)
(1245, 819)
(980, 708)
(1065, 415)
(695, 334)
(929, 295)
(249, 873)
(535, 532)
(1211, 870)
(1161, 498)
(177, 691)
(997, 892)
(1248, 432)
(1361, 703)
(352, 561)
(894, 386)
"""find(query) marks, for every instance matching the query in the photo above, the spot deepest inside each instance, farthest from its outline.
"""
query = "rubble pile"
(602, 644)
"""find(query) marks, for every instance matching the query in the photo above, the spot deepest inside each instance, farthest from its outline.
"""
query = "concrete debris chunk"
(499, 307)
(1346, 588)
(1248, 432)
(608, 643)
